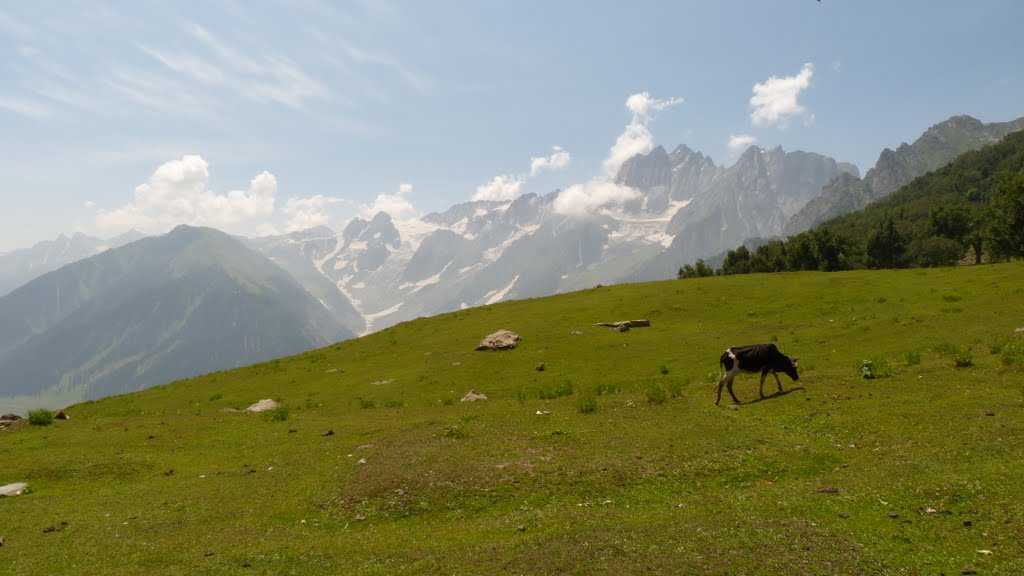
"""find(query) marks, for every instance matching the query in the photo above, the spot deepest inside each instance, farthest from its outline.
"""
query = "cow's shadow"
(775, 395)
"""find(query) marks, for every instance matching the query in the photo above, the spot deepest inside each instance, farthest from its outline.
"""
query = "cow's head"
(791, 368)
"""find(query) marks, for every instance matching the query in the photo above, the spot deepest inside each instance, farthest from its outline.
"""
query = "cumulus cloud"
(776, 99)
(502, 187)
(397, 205)
(309, 212)
(558, 160)
(740, 142)
(636, 138)
(587, 198)
(178, 193)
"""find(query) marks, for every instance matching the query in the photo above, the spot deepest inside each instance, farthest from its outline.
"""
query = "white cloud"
(305, 213)
(178, 193)
(636, 138)
(558, 160)
(501, 188)
(89, 204)
(776, 99)
(587, 198)
(397, 205)
(740, 142)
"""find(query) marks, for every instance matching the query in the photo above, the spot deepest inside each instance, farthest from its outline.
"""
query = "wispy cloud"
(740, 142)
(27, 108)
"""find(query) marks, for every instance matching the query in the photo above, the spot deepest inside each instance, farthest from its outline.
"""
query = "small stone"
(893, 515)
(474, 396)
(540, 367)
(828, 490)
(734, 406)
(328, 433)
(968, 523)
(844, 515)
(16, 489)
(500, 340)
(989, 413)
(61, 415)
(968, 571)
(361, 461)
(985, 552)
(521, 528)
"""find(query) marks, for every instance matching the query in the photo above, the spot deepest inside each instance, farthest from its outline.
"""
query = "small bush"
(606, 389)
(1012, 352)
(40, 417)
(875, 368)
(963, 358)
(663, 369)
(675, 388)
(656, 394)
(367, 404)
(279, 414)
(913, 358)
(556, 391)
(392, 403)
(586, 404)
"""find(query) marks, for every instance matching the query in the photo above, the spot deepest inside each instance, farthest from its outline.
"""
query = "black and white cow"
(763, 358)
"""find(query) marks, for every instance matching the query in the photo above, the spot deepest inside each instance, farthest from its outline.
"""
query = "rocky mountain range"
(938, 146)
(197, 300)
(193, 301)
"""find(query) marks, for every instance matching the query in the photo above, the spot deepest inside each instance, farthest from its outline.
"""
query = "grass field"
(919, 472)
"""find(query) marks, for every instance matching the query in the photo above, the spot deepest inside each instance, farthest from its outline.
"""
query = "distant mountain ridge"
(190, 302)
(20, 266)
(938, 146)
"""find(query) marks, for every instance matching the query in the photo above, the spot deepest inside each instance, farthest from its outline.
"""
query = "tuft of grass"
(913, 358)
(656, 393)
(875, 368)
(606, 389)
(393, 404)
(586, 404)
(946, 349)
(279, 414)
(216, 397)
(455, 432)
(556, 391)
(675, 388)
(963, 358)
(40, 417)
(663, 369)
(1012, 352)
(366, 403)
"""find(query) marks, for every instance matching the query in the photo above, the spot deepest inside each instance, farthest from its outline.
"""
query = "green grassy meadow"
(920, 472)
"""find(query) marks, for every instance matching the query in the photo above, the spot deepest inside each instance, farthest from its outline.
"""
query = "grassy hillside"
(914, 473)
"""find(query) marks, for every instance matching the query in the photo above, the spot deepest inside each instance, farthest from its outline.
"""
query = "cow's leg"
(721, 383)
(777, 381)
(764, 374)
(728, 385)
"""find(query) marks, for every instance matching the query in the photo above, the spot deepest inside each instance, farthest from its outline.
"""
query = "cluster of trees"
(971, 209)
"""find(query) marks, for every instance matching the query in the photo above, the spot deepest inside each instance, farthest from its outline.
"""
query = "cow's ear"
(795, 360)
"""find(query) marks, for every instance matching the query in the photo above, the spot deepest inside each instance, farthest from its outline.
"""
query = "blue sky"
(146, 113)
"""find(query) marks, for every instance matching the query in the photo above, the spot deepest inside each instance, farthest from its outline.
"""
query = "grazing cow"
(763, 358)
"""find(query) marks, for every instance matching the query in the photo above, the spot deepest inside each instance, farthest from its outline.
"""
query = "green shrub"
(875, 368)
(556, 391)
(963, 359)
(366, 403)
(675, 388)
(913, 358)
(656, 393)
(279, 414)
(41, 417)
(586, 404)
(1012, 352)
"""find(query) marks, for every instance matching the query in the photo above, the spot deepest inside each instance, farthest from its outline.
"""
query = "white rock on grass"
(474, 396)
(500, 340)
(15, 489)
(265, 405)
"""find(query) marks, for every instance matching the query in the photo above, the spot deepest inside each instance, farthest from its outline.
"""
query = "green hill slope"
(912, 473)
